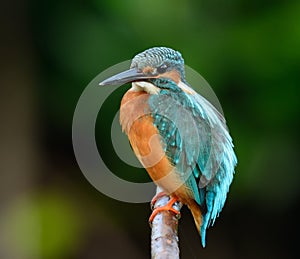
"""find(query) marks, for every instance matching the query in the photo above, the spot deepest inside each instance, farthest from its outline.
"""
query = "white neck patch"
(186, 88)
(145, 86)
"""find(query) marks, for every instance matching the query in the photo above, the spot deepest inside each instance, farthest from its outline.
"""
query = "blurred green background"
(249, 52)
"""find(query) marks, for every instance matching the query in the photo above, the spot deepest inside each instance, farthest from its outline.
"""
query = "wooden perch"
(164, 237)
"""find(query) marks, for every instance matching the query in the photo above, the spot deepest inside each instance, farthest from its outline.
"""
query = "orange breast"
(146, 142)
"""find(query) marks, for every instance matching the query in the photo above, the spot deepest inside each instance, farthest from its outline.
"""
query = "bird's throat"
(145, 86)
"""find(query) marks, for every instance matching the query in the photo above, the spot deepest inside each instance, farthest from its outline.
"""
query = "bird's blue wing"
(218, 168)
(198, 143)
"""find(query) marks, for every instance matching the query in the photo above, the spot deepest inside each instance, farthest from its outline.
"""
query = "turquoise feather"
(203, 150)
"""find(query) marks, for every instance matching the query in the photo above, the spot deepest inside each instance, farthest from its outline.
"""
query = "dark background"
(50, 50)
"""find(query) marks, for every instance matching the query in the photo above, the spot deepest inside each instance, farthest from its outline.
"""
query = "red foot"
(168, 206)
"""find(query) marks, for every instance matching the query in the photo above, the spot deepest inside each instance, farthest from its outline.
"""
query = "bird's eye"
(162, 69)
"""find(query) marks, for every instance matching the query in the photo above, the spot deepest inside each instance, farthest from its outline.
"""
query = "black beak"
(127, 76)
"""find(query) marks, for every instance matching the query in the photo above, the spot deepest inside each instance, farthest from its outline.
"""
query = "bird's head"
(160, 62)
(153, 63)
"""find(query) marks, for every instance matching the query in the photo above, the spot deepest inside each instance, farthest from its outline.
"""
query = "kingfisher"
(179, 137)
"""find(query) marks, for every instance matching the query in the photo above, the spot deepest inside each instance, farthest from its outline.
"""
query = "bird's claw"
(167, 207)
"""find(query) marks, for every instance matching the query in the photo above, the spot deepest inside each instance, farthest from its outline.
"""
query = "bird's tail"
(197, 215)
